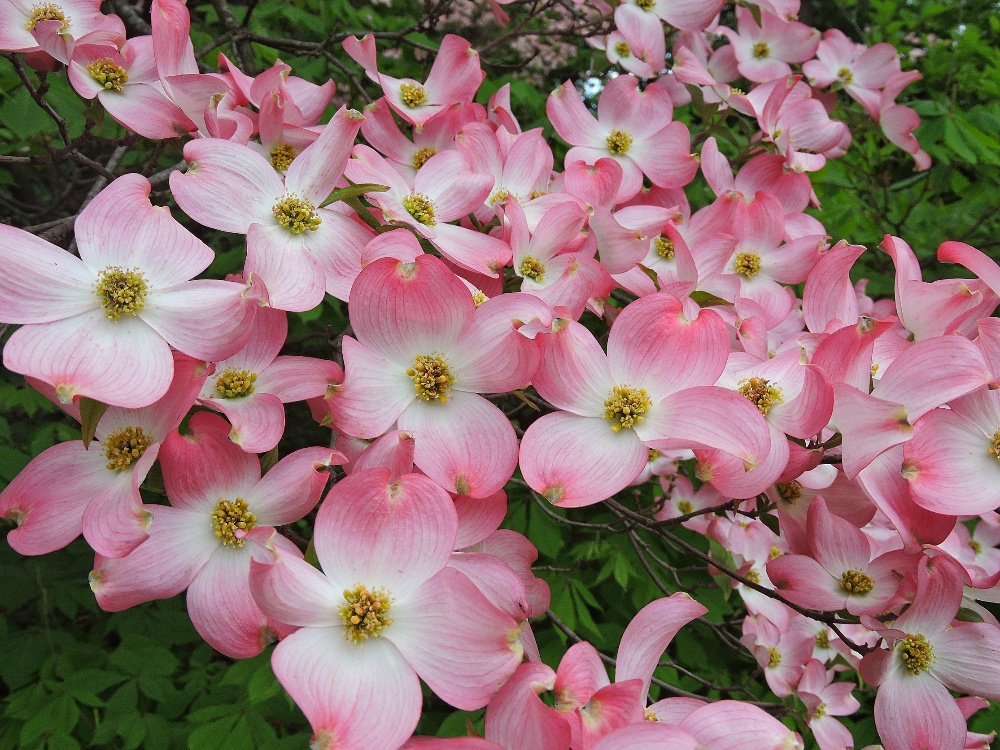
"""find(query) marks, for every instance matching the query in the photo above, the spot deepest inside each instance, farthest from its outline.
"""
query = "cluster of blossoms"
(870, 429)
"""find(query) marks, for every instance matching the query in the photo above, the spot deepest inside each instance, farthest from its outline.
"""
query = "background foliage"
(72, 676)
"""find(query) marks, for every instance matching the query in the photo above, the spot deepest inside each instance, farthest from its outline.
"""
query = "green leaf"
(60, 715)
(968, 615)
(268, 460)
(354, 191)
(91, 412)
(212, 736)
(704, 299)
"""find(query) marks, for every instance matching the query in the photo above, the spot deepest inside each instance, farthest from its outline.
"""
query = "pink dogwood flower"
(384, 613)
(764, 51)
(215, 524)
(102, 325)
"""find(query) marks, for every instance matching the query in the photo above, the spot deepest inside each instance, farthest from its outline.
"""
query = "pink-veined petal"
(294, 279)
(374, 393)
(292, 591)
(293, 486)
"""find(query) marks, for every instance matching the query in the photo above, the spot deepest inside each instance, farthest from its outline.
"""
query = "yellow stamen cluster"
(499, 195)
(423, 154)
(820, 711)
(646, 4)
(122, 291)
(760, 393)
(653, 455)
(774, 657)
(478, 297)
(532, 269)
(420, 208)
(625, 406)
(846, 76)
(685, 507)
(994, 449)
(649, 715)
(233, 383)
(432, 377)
(790, 492)
(856, 582)
(619, 142)
(761, 50)
(231, 519)
(623, 50)
(366, 613)
(752, 575)
(412, 94)
(664, 247)
(47, 12)
(295, 214)
(747, 265)
(823, 639)
(916, 653)
(108, 73)
(125, 446)
(282, 156)
(774, 553)
(975, 546)
(537, 194)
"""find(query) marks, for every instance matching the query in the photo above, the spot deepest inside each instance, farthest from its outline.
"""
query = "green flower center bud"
(747, 265)
(232, 519)
(623, 50)
(761, 50)
(366, 613)
(846, 76)
(125, 446)
(619, 142)
(282, 156)
(916, 653)
(685, 507)
(233, 383)
(774, 657)
(432, 377)
(653, 454)
(121, 291)
(856, 582)
(975, 546)
(412, 94)
(421, 208)
(625, 406)
(994, 449)
(760, 392)
(295, 214)
(532, 269)
(423, 154)
(646, 4)
(789, 492)
(109, 74)
(823, 639)
(47, 12)
(664, 247)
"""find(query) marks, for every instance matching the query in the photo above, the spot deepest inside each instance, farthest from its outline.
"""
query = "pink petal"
(462, 646)
(803, 581)
(574, 373)
(123, 362)
(355, 696)
(292, 591)
(258, 420)
(648, 736)
(375, 392)
(581, 673)
(115, 521)
(299, 378)
(453, 187)
(575, 461)
(918, 712)
(570, 117)
(143, 108)
(495, 579)
(478, 518)
(294, 279)
(474, 251)
(377, 534)
(967, 659)
(270, 329)
(516, 717)
(315, 172)
(293, 486)
(734, 725)
(466, 445)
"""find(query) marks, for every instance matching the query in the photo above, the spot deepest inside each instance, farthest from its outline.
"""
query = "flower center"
(823, 639)
(47, 12)
(282, 156)
(774, 553)
(916, 653)
(366, 613)
(432, 377)
(653, 454)
(232, 520)
(646, 4)
(123, 447)
(752, 575)
(747, 265)
(233, 383)
(774, 657)
(994, 449)
(856, 582)
(820, 711)
(295, 214)
(789, 491)
(761, 50)
(685, 507)
(412, 94)
(421, 208)
(532, 269)
(109, 74)
(664, 247)
(625, 406)
(121, 291)
(501, 194)
(619, 142)
(423, 154)
(478, 297)
(760, 392)
(975, 546)
(623, 50)
(846, 76)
